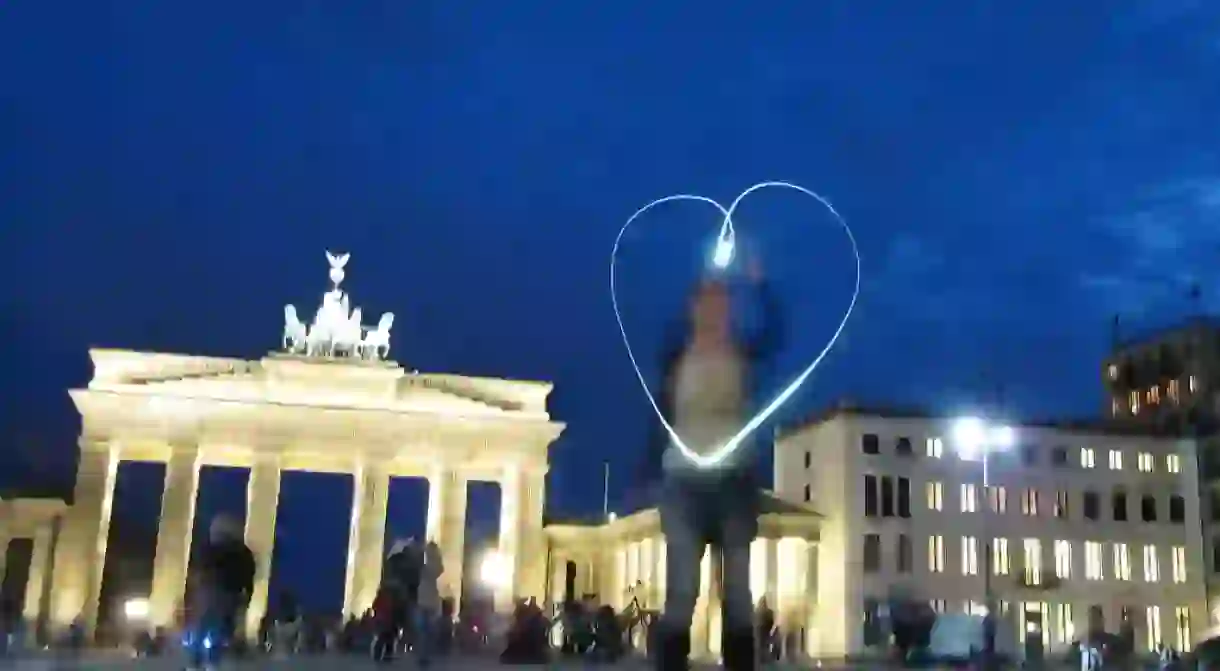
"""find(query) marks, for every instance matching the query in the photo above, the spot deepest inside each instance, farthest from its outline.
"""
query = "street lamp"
(975, 439)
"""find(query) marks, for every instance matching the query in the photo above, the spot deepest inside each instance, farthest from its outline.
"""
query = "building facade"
(623, 561)
(1080, 527)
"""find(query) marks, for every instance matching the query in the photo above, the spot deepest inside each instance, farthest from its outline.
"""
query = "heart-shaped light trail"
(722, 257)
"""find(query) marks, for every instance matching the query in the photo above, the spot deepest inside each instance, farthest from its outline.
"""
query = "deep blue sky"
(1017, 171)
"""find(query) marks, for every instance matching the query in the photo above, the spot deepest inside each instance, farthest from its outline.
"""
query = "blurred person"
(730, 332)
(223, 586)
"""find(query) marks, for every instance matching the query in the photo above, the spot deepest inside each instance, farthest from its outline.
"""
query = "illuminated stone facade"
(36, 520)
(625, 559)
(372, 420)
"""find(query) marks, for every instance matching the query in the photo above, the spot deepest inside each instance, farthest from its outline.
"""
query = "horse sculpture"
(295, 332)
(376, 344)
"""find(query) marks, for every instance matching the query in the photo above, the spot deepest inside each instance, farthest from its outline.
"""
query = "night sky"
(1016, 172)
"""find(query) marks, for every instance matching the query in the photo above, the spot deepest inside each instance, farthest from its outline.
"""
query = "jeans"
(720, 510)
(421, 633)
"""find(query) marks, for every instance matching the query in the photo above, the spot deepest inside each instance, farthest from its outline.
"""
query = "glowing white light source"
(723, 256)
(495, 570)
(972, 436)
(611, 517)
(136, 609)
(715, 457)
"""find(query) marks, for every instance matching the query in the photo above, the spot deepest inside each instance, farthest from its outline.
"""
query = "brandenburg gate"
(330, 401)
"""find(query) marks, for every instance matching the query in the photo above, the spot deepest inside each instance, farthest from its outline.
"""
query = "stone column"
(262, 503)
(522, 541)
(36, 584)
(366, 538)
(447, 527)
(174, 535)
(81, 553)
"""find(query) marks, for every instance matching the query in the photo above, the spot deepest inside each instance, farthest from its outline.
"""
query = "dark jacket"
(228, 567)
(758, 335)
(402, 572)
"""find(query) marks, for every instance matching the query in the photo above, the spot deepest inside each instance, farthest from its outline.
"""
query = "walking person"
(222, 590)
(396, 599)
(732, 330)
(428, 603)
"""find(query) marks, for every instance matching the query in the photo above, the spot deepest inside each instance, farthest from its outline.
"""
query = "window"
(1178, 553)
(1216, 555)
(1148, 508)
(1063, 559)
(807, 494)
(1152, 567)
(904, 498)
(870, 496)
(1152, 614)
(1033, 561)
(870, 444)
(1087, 457)
(872, 553)
(970, 502)
(935, 448)
(903, 447)
(938, 605)
(808, 459)
(1092, 506)
(997, 500)
(1215, 505)
(936, 496)
(1172, 463)
(1173, 390)
(1061, 504)
(970, 555)
(1181, 618)
(1065, 629)
(1093, 560)
(1029, 455)
(906, 557)
(1118, 504)
(874, 624)
(936, 554)
(1059, 456)
(1177, 509)
(1122, 562)
(1154, 395)
(1192, 383)
(1112, 371)
(1116, 407)
(1000, 564)
(1029, 502)
(1146, 462)
(887, 497)
(1116, 460)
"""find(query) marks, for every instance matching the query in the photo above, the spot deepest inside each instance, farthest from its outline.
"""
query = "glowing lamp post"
(975, 439)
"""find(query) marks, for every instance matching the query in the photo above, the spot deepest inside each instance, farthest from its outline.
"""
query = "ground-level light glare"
(136, 609)
(724, 253)
(495, 570)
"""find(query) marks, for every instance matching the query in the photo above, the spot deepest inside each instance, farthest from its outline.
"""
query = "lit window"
(1154, 395)
(1146, 462)
(936, 554)
(938, 605)
(936, 496)
(1172, 390)
(1086, 457)
(1179, 564)
(1172, 463)
(1063, 559)
(1000, 564)
(1112, 371)
(1192, 384)
(935, 448)
(1116, 460)
(970, 501)
(997, 499)
(1122, 562)
(1066, 628)
(1134, 401)
(1152, 567)
(1093, 560)
(1116, 408)
(975, 608)
(1181, 616)
(1153, 617)
(1029, 502)
(1033, 561)
(970, 555)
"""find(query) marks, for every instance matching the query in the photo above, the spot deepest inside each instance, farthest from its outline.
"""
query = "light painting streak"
(721, 258)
